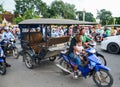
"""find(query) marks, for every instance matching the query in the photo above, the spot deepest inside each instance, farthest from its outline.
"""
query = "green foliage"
(37, 6)
(88, 16)
(105, 17)
(29, 9)
(18, 19)
(117, 20)
(59, 9)
(1, 8)
(69, 11)
(27, 15)
(0, 18)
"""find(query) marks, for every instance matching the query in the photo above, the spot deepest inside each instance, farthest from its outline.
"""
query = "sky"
(89, 5)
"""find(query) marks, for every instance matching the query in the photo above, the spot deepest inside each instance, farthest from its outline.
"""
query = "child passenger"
(78, 53)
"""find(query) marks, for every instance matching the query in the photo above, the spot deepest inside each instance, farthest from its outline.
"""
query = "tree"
(117, 20)
(27, 15)
(1, 11)
(37, 6)
(69, 11)
(59, 9)
(105, 17)
(1, 8)
(88, 16)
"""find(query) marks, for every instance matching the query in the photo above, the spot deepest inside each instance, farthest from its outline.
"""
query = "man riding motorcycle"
(3, 41)
(9, 34)
(10, 47)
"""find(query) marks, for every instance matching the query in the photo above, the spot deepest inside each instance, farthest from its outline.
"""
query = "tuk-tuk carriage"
(36, 40)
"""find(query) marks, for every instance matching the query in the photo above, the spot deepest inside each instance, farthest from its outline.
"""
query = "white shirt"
(54, 34)
(10, 35)
(43, 32)
(79, 48)
(101, 31)
(115, 32)
(61, 32)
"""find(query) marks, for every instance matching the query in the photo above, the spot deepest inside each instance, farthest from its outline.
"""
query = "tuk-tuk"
(37, 46)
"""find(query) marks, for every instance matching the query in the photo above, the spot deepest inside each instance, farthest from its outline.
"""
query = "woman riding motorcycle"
(81, 35)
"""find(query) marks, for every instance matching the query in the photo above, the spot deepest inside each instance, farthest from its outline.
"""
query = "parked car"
(111, 44)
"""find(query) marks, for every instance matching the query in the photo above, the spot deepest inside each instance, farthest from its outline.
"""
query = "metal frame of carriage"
(36, 48)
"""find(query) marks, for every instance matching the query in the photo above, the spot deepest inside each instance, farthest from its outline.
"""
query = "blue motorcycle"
(2, 62)
(100, 73)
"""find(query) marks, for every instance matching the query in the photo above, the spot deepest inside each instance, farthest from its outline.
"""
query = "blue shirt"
(4, 36)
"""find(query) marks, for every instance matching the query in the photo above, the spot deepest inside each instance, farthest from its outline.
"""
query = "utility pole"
(114, 20)
(84, 15)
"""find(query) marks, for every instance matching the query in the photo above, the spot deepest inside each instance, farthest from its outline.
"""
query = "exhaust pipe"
(58, 65)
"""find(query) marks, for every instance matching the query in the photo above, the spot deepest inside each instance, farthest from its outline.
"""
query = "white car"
(111, 44)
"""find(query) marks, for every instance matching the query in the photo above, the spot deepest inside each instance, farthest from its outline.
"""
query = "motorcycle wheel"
(2, 68)
(102, 59)
(15, 53)
(28, 61)
(65, 65)
(103, 78)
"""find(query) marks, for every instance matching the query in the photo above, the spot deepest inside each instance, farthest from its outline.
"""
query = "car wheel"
(113, 48)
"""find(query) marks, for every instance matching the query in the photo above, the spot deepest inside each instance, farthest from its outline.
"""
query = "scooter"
(100, 73)
(2, 62)
(100, 56)
(12, 49)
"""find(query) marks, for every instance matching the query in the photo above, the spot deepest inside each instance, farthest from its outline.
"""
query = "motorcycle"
(100, 56)
(2, 62)
(11, 48)
(93, 45)
(100, 73)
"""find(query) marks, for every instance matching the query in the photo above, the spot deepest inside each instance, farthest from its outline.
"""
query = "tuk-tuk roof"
(53, 21)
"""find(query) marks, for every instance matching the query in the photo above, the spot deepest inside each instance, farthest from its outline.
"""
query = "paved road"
(48, 75)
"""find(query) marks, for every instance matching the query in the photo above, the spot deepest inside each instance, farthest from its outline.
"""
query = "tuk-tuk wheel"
(28, 61)
(52, 58)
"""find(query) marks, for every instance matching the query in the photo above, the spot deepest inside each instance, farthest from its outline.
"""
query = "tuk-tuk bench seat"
(58, 40)
(35, 39)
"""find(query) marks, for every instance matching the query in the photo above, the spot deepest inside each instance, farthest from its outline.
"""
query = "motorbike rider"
(81, 35)
(72, 55)
(85, 39)
(9, 34)
(3, 42)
